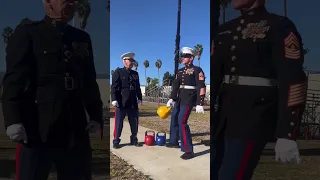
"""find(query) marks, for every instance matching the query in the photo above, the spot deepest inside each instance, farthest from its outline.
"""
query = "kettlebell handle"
(161, 132)
(149, 131)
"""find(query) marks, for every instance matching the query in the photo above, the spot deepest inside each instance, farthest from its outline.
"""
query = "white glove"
(170, 103)
(139, 102)
(115, 103)
(199, 109)
(287, 151)
(93, 126)
(17, 132)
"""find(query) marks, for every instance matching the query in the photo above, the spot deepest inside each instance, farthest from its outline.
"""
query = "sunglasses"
(186, 56)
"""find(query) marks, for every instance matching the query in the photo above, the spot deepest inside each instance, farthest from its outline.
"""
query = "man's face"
(243, 4)
(128, 63)
(61, 9)
(186, 58)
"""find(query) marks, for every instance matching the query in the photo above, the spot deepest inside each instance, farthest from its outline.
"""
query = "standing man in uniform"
(126, 96)
(188, 90)
(50, 83)
(257, 62)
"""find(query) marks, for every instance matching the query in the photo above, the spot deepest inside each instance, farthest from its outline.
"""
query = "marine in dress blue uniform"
(188, 90)
(126, 96)
(49, 85)
(258, 76)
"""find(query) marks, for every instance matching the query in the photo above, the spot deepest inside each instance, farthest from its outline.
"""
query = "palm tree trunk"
(145, 74)
(285, 8)
(177, 49)
(199, 62)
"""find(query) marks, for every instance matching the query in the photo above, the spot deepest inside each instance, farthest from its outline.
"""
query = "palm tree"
(83, 11)
(177, 48)
(158, 66)
(148, 79)
(146, 65)
(6, 34)
(25, 20)
(135, 65)
(108, 7)
(198, 50)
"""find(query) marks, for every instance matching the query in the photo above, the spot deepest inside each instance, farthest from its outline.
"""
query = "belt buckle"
(234, 80)
(69, 83)
(182, 86)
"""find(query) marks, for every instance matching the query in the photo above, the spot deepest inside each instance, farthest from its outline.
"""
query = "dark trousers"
(133, 117)
(35, 163)
(179, 126)
(235, 159)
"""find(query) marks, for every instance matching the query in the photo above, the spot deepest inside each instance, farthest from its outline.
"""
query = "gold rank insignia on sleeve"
(292, 47)
(297, 94)
(201, 76)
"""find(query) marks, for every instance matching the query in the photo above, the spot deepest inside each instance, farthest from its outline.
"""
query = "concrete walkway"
(162, 163)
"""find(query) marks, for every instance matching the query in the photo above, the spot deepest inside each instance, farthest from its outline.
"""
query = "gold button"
(233, 58)
(233, 69)
(289, 134)
(235, 38)
(242, 21)
(66, 60)
(67, 74)
(233, 47)
(45, 52)
(293, 112)
(292, 123)
(239, 28)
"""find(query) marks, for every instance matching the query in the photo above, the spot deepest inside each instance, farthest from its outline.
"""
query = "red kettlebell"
(149, 138)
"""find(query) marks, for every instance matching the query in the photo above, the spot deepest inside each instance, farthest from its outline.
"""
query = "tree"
(135, 65)
(158, 66)
(198, 50)
(83, 11)
(108, 7)
(177, 45)
(154, 82)
(148, 79)
(167, 79)
(146, 65)
(6, 34)
(24, 21)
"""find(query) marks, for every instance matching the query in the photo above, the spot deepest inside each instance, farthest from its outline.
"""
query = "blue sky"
(148, 28)
(11, 12)
(305, 17)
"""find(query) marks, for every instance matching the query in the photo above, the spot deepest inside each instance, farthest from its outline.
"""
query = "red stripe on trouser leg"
(18, 149)
(184, 129)
(245, 161)
(115, 124)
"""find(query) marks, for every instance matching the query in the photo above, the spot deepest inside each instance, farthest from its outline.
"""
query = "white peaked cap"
(128, 55)
(187, 50)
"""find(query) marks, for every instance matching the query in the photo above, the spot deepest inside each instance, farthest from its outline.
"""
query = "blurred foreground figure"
(49, 84)
(188, 90)
(257, 74)
(126, 96)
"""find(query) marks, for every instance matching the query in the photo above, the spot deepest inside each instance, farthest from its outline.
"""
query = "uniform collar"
(55, 24)
(188, 65)
(256, 11)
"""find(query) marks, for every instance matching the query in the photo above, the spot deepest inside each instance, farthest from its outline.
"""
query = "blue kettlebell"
(161, 139)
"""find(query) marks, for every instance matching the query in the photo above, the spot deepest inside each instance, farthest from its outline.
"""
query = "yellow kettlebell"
(163, 112)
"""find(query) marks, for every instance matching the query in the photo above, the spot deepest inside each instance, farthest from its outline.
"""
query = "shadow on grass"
(141, 114)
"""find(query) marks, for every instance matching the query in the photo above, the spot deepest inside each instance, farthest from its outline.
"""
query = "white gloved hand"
(139, 102)
(287, 151)
(93, 126)
(17, 132)
(199, 109)
(115, 103)
(170, 103)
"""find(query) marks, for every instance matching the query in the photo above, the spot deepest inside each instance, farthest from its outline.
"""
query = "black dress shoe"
(169, 145)
(136, 144)
(187, 155)
(116, 146)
